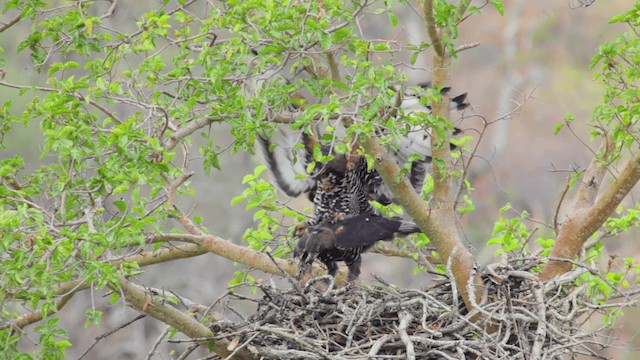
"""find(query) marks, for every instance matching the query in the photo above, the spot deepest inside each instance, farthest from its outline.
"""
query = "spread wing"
(417, 141)
(365, 230)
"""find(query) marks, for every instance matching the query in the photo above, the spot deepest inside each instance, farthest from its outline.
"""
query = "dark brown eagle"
(346, 239)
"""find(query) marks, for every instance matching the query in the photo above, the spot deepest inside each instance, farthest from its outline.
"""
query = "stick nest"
(520, 318)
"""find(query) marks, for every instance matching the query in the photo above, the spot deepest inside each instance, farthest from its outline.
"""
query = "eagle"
(345, 239)
(344, 186)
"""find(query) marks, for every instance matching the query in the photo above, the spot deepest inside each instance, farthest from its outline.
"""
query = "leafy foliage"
(125, 107)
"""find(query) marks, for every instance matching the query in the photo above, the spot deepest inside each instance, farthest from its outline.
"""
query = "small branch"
(461, 9)
(423, 259)
(296, 339)
(189, 129)
(541, 330)
(155, 345)
(335, 28)
(174, 185)
(378, 345)
(464, 47)
(188, 352)
(110, 11)
(112, 331)
(75, 95)
(11, 22)
(557, 212)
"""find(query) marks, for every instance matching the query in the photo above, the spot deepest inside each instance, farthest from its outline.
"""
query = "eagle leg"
(354, 268)
(332, 268)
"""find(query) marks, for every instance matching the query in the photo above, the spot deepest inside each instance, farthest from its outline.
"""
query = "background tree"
(124, 94)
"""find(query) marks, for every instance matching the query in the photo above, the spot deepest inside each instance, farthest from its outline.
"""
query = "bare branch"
(138, 299)
(112, 331)
(189, 129)
(557, 212)
(464, 47)
(110, 11)
(11, 22)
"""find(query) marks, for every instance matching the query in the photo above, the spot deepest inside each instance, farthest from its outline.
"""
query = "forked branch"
(590, 213)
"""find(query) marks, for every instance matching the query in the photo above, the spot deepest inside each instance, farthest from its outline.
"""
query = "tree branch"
(11, 22)
(592, 178)
(76, 95)
(198, 245)
(584, 221)
(137, 298)
(443, 184)
(437, 224)
(436, 35)
(240, 254)
(189, 129)
(32, 317)
(427, 11)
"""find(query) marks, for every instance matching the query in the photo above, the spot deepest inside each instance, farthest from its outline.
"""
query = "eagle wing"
(366, 229)
(286, 163)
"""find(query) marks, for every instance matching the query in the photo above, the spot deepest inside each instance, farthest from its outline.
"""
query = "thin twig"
(155, 345)
(103, 336)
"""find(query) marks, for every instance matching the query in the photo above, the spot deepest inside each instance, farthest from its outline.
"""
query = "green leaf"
(120, 189)
(121, 205)
(499, 6)
(392, 18)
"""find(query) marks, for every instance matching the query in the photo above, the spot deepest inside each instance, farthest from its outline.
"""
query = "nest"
(520, 318)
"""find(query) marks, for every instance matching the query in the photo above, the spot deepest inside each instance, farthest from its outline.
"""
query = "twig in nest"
(405, 319)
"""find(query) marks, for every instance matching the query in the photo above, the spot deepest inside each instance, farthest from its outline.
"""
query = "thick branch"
(143, 259)
(592, 178)
(240, 254)
(138, 299)
(443, 184)
(68, 289)
(199, 245)
(439, 225)
(583, 222)
(434, 36)
(38, 315)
